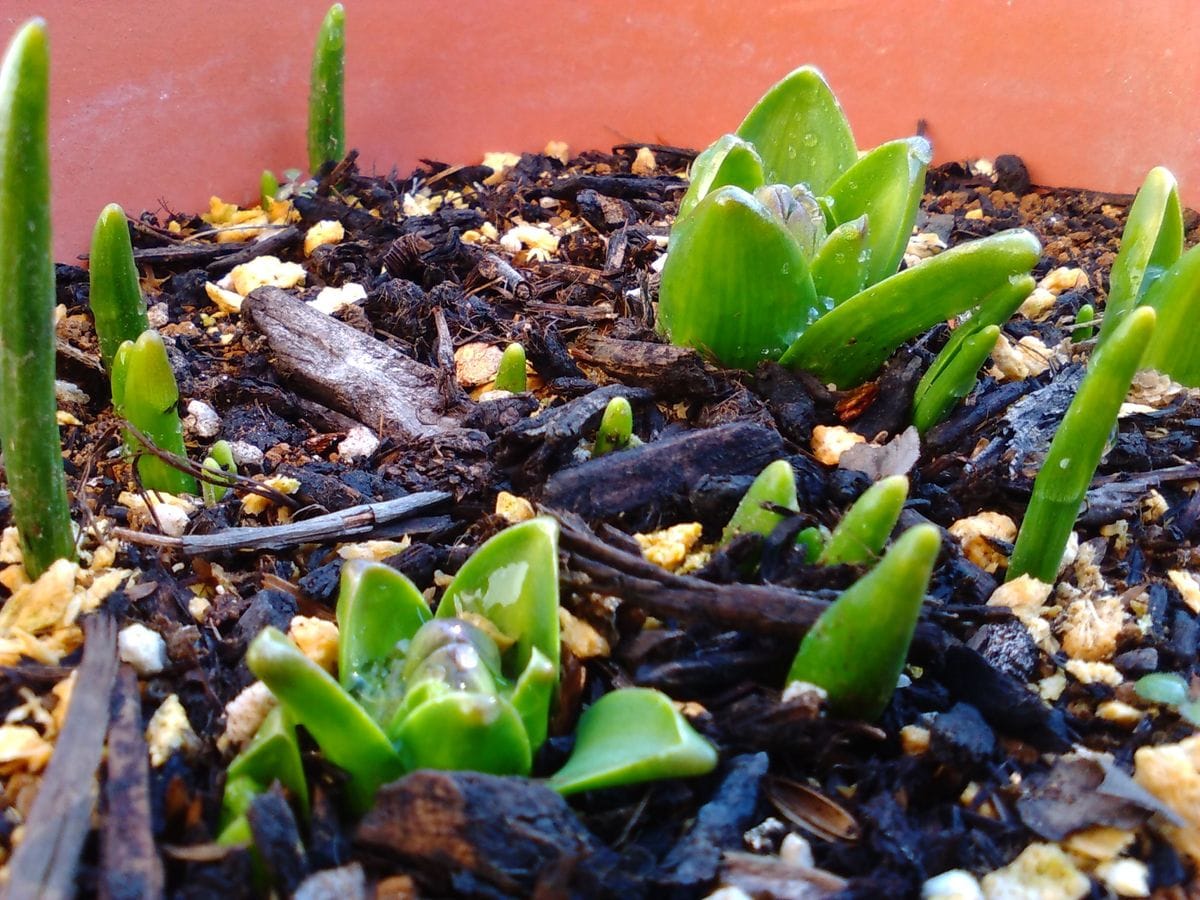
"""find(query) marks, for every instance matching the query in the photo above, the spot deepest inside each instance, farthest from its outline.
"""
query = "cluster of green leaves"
(28, 411)
(1152, 270)
(857, 647)
(470, 687)
(788, 240)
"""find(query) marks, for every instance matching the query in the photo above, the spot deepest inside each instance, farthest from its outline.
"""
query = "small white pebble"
(728, 892)
(245, 454)
(796, 851)
(169, 731)
(955, 884)
(244, 714)
(158, 315)
(201, 420)
(172, 519)
(1125, 877)
(143, 648)
(359, 443)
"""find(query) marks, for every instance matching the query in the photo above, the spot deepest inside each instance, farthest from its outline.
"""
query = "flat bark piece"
(44, 863)
(695, 859)
(671, 372)
(356, 521)
(191, 253)
(508, 833)
(130, 864)
(349, 371)
(270, 245)
(617, 484)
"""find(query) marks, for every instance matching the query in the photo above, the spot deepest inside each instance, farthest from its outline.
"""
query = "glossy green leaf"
(378, 612)
(886, 186)
(865, 527)
(839, 270)
(956, 379)
(735, 284)
(1083, 324)
(28, 411)
(630, 736)
(812, 540)
(800, 132)
(149, 399)
(996, 309)
(1167, 688)
(729, 160)
(856, 649)
(1151, 242)
(326, 92)
(348, 737)
(774, 486)
(1078, 445)
(114, 293)
(616, 427)
(1175, 297)
(272, 755)
(511, 374)
(533, 695)
(847, 345)
(464, 730)
(512, 579)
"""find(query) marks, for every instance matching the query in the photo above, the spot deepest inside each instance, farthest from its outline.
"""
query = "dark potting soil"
(969, 765)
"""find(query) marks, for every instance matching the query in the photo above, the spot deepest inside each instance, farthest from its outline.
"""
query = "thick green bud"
(511, 374)
(860, 537)
(616, 427)
(774, 486)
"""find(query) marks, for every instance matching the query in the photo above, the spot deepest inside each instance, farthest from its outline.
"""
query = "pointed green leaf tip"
(865, 527)
(28, 423)
(114, 293)
(735, 284)
(1078, 444)
(800, 132)
(630, 736)
(728, 161)
(856, 650)
(1175, 297)
(847, 345)
(774, 486)
(616, 427)
(511, 374)
(326, 96)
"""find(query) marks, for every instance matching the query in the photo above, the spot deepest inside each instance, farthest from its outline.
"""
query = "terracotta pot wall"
(164, 103)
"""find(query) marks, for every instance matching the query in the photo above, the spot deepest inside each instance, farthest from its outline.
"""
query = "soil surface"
(1010, 731)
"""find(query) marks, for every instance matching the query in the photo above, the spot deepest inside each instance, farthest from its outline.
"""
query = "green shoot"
(1078, 445)
(856, 649)
(1083, 324)
(268, 188)
(326, 94)
(220, 462)
(114, 294)
(616, 427)
(860, 536)
(28, 413)
(511, 374)
(775, 486)
(1175, 297)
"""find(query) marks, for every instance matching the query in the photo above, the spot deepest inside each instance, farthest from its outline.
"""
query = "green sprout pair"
(470, 687)
(788, 240)
(856, 649)
(28, 412)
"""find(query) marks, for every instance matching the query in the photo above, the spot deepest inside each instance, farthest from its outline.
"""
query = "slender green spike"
(273, 754)
(616, 427)
(860, 537)
(114, 293)
(511, 375)
(1078, 445)
(145, 393)
(847, 345)
(220, 462)
(348, 737)
(512, 579)
(956, 378)
(28, 423)
(885, 185)
(775, 485)
(839, 269)
(326, 93)
(735, 284)
(800, 132)
(630, 736)
(268, 188)
(465, 730)
(996, 309)
(1175, 297)
(857, 647)
(1150, 244)
(1083, 324)
(729, 160)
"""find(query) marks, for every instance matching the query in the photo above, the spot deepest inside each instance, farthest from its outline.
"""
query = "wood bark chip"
(349, 371)
(130, 864)
(671, 372)
(44, 863)
(270, 245)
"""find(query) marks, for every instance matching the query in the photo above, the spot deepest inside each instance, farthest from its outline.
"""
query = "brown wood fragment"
(44, 863)
(619, 484)
(270, 245)
(349, 371)
(671, 372)
(193, 253)
(130, 864)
